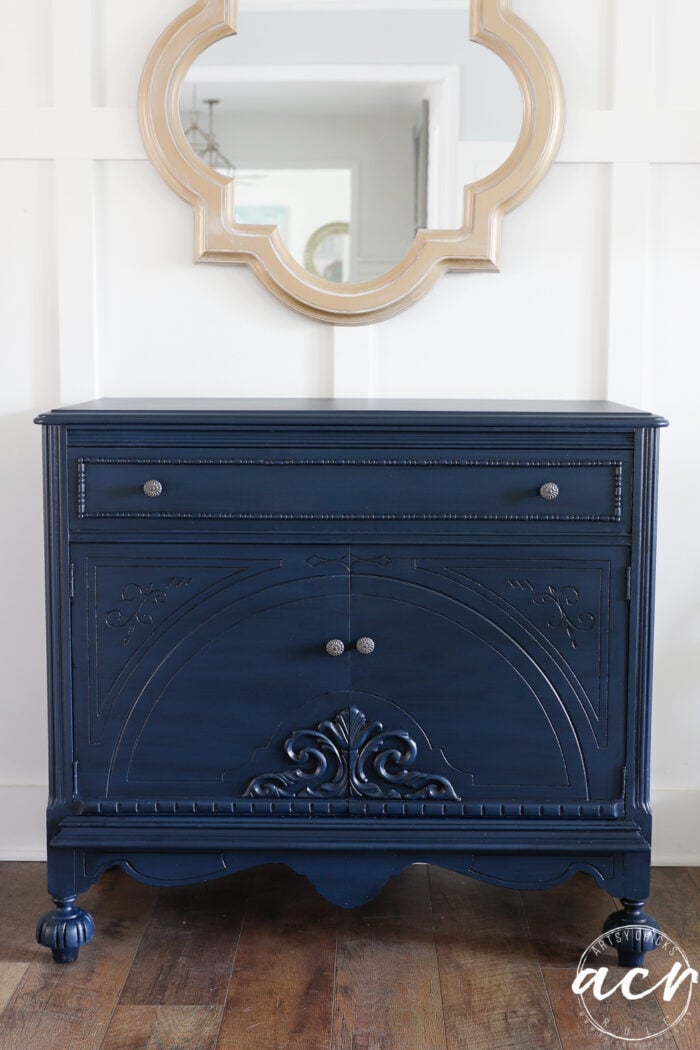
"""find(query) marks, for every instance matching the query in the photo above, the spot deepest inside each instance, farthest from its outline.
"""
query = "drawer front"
(366, 487)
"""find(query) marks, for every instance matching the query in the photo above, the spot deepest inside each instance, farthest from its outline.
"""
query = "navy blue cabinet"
(349, 637)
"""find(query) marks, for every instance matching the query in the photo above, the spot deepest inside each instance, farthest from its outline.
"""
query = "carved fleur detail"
(348, 561)
(136, 601)
(561, 600)
(350, 757)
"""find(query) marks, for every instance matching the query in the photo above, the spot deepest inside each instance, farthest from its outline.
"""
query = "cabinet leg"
(65, 929)
(631, 944)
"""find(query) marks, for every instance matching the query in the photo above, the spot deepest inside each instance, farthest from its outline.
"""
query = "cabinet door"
(498, 664)
(187, 661)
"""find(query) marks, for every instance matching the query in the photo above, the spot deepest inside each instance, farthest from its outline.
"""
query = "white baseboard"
(676, 828)
(23, 822)
(676, 825)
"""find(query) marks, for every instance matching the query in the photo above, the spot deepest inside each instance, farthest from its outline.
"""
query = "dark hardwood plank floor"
(387, 990)
(259, 961)
(492, 987)
(281, 989)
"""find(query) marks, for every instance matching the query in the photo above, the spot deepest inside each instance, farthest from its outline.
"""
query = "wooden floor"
(259, 961)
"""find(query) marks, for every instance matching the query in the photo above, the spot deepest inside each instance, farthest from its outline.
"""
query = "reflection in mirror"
(338, 118)
(327, 252)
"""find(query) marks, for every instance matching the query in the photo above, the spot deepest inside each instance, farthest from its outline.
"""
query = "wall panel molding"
(628, 331)
(75, 277)
(72, 39)
(630, 203)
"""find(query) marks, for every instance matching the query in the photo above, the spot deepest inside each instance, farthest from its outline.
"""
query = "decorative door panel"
(184, 659)
(476, 694)
(485, 679)
(503, 659)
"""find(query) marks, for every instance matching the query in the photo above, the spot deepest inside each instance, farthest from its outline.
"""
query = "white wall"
(598, 296)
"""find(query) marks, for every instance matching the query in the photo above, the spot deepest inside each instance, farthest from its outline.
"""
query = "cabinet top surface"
(222, 411)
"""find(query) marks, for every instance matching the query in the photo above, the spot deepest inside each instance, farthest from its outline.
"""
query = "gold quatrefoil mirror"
(350, 151)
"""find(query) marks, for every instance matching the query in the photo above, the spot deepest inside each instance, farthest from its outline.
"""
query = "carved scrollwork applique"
(136, 601)
(561, 600)
(350, 757)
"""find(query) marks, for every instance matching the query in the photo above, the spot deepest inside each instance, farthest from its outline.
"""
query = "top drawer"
(349, 487)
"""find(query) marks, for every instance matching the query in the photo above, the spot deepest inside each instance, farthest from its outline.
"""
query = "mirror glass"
(349, 126)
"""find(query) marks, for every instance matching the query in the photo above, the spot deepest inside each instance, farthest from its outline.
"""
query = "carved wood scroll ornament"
(350, 757)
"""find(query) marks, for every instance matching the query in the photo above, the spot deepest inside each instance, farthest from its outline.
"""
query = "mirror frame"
(474, 246)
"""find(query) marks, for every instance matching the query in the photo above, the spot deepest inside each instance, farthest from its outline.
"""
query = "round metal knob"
(335, 647)
(549, 490)
(153, 488)
(364, 646)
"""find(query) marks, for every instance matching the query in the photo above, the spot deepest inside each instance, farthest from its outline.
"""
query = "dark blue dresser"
(349, 636)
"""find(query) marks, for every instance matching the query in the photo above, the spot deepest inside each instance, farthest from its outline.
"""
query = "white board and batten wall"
(597, 298)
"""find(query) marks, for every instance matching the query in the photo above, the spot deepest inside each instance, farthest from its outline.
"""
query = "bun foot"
(65, 929)
(632, 932)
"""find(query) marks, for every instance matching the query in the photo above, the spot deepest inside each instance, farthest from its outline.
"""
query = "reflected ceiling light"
(205, 143)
